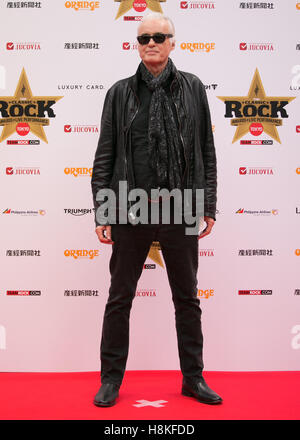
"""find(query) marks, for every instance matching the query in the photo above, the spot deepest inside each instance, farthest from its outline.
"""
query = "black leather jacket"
(113, 162)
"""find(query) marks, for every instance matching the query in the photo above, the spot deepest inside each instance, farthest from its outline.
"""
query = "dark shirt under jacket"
(145, 177)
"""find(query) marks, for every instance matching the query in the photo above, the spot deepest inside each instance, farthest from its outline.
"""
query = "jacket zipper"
(126, 136)
(180, 133)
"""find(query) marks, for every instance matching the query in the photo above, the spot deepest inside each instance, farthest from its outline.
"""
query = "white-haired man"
(155, 133)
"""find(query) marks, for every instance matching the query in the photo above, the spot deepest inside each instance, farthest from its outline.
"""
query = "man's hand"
(209, 225)
(100, 232)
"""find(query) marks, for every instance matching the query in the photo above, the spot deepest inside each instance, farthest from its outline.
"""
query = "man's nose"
(151, 42)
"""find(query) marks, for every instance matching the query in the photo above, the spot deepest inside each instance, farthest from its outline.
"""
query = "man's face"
(154, 53)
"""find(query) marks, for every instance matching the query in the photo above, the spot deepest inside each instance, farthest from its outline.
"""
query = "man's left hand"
(209, 225)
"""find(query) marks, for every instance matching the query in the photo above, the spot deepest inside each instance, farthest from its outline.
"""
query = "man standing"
(155, 133)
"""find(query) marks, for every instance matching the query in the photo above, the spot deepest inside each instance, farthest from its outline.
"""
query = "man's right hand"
(100, 232)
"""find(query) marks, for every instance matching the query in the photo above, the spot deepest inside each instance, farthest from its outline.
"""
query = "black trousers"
(129, 252)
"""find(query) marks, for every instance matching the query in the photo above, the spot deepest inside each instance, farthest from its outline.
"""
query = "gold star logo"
(154, 253)
(126, 5)
(25, 107)
(256, 108)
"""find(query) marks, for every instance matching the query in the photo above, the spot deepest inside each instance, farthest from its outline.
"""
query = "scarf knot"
(165, 147)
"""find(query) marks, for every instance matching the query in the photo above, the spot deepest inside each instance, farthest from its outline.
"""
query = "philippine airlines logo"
(256, 112)
(25, 112)
(26, 212)
(264, 212)
(138, 6)
(257, 46)
(261, 171)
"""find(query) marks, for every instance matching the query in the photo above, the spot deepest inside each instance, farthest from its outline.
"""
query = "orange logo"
(298, 170)
(197, 47)
(298, 6)
(77, 6)
(297, 252)
(205, 293)
(79, 171)
(82, 253)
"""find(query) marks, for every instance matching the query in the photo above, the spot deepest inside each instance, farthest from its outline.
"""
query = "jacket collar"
(134, 80)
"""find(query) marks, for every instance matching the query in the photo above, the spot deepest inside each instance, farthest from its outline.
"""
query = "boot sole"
(189, 394)
(104, 405)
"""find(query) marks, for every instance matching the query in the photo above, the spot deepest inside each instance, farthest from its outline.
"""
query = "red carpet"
(69, 396)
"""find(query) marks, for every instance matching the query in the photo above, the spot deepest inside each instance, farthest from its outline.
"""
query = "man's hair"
(162, 17)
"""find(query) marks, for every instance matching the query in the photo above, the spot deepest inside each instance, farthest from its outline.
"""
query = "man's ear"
(173, 45)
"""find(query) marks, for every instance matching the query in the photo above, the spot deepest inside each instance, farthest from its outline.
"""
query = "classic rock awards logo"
(25, 112)
(256, 112)
(138, 6)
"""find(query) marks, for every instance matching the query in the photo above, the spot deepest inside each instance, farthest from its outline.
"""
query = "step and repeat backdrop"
(57, 60)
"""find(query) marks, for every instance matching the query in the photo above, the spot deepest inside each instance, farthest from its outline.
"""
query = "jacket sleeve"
(210, 161)
(105, 152)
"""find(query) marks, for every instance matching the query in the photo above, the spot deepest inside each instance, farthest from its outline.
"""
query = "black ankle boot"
(201, 391)
(107, 394)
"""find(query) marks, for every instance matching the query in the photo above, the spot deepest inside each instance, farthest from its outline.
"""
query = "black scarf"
(165, 148)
